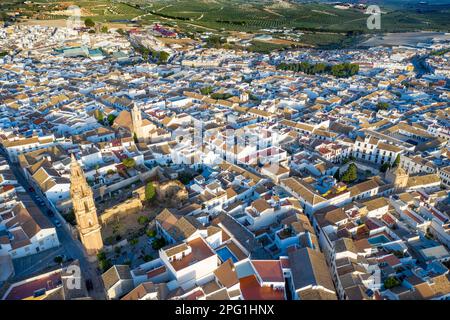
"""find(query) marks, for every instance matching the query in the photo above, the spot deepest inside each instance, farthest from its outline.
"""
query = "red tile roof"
(27, 289)
(195, 295)
(285, 263)
(390, 260)
(269, 270)
(251, 290)
(200, 251)
(155, 272)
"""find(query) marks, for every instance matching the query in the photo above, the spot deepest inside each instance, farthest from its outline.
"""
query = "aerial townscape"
(151, 154)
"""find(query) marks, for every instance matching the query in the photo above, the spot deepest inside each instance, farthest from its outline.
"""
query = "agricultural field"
(252, 16)
(316, 24)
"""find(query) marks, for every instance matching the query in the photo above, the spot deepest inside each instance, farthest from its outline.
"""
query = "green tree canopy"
(391, 282)
(206, 90)
(163, 56)
(158, 243)
(89, 23)
(151, 233)
(351, 174)
(129, 163)
(397, 161)
(98, 114)
(149, 191)
(341, 70)
(382, 106)
(58, 259)
(337, 175)
(143, 220)
(111, 119)
(385, 166)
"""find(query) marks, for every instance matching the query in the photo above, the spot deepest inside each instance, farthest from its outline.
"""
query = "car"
(61, 257)
(31, 189)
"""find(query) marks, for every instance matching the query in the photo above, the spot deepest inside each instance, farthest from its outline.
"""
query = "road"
(71, 246)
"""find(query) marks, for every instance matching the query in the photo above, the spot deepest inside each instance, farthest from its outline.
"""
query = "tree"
(129, 163)
(151, 233)
(111, 119)
(99, 116)
(70, 218)
(104, 265)
(214, 41)
(142, 220)
(163, 56)
(149, 191)
(58, 259)
(391, 282)
(158, 243)
(185, 177)
(337, 175)
(206, 90)
(89, 23)
(147, 258)
(351, 174)
(101, 255)
(385, 166)
(397, 161)
(104, 29)
(135, 138)
(342, 70)
(382, 106)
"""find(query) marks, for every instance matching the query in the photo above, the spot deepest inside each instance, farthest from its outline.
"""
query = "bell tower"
(136, 119)
(398, 177)
(84, 209)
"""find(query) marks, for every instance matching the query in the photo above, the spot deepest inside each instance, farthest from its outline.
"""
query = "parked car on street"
(57, 223)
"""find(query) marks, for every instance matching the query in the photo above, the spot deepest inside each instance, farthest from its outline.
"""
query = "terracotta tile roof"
(226, 274)
(200, 251)
(251, 290)
(145, 288)
(309, 268)
(269, 270)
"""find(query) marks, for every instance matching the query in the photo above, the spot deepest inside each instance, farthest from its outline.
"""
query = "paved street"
(36, 263)
(72, 248)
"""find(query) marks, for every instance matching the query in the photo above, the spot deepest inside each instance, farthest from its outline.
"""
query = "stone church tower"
(84, 210)
(398, 177)
(136, 119)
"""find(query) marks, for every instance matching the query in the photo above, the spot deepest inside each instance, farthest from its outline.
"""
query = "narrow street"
(72, 247)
